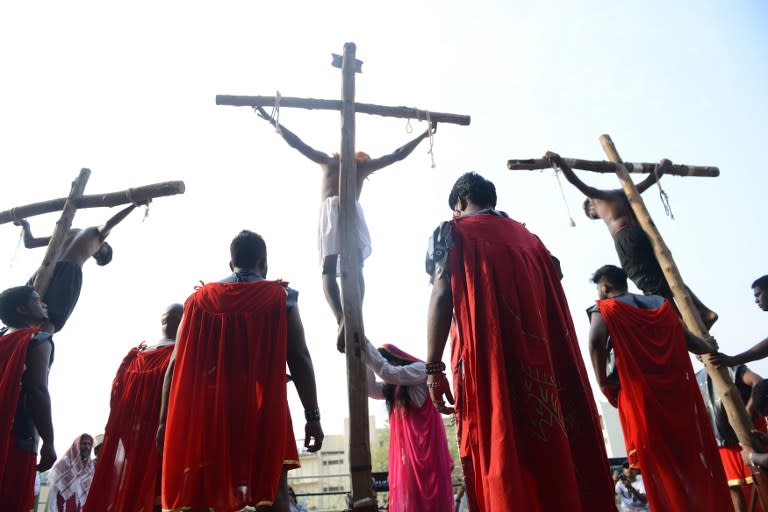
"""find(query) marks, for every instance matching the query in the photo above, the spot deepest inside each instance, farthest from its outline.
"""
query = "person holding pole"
(656, 394)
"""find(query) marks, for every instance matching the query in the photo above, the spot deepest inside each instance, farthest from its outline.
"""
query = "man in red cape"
(224, 420)
(666, 429)
(529, 434)
(128, 472)
(26, 354)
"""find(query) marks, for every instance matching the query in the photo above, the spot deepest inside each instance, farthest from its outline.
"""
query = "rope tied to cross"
(431, 140)
(663, 194)
(562, 194)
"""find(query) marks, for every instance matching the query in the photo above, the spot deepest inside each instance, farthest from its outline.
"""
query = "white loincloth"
(329, 234)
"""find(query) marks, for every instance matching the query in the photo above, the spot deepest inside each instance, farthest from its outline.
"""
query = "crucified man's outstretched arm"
(322, 158)
(295, 142)
(32, 242)
(597, 193)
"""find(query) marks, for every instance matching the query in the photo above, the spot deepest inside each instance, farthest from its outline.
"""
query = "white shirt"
(413, 375)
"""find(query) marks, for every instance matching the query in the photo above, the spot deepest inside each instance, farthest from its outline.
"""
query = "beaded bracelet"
(433, 368)
(312, 414)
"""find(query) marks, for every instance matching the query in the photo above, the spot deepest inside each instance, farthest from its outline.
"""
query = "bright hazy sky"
(128, 91)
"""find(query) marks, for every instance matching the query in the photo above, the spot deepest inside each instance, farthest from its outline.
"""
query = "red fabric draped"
(666, 428)
(527, 417)
(128, 472)
(420, 463)
(13, 479)
(228, 428)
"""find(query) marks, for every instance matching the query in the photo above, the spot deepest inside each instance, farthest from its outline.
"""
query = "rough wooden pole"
(45, 272)
(734, 406)
(136, 195)
(362, 108)
(363, 495)
(609, 167)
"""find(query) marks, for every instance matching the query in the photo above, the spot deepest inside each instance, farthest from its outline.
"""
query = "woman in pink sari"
(419, 461)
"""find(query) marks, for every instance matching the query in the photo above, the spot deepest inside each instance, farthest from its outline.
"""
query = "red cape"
(666, 429)
(13, 358)
(128, 472)
(228, 428)
(527, 417)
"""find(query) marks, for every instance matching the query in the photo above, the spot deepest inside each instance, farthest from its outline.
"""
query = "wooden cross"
(721, 378)
(363, 495)
(69, 206)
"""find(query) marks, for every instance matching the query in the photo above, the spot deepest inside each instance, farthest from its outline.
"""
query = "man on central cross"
(329, 233)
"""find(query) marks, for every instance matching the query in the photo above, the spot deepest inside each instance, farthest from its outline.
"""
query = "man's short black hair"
(10, 300)
(760, 397)
(611, 274)
(761, 282)
(473, 187)
(247, 249)
(104, 255)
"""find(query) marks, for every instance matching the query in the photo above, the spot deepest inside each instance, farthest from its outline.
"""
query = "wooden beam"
(610, 167)
(363, 495)
(734, 406)
(364, 108)
(45, 272)
(133, 195)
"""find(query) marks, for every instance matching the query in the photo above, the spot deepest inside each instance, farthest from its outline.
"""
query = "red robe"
(666, 429)
(16, 483)
(529, 432)
(228, 432)
(128, 472)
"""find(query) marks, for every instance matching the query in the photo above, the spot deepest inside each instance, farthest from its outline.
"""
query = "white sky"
(128, 91)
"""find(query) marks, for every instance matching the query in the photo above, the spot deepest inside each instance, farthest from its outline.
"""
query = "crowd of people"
(189, 415)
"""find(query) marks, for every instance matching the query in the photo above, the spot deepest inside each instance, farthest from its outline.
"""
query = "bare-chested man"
(329, 236)
(81, 244)
(632, 244)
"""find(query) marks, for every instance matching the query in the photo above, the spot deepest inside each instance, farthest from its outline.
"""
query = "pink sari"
(419, 461)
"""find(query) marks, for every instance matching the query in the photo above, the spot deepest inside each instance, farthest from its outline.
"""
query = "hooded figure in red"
(128, 470)
(225, 428)
(523, 403)
(667, 433)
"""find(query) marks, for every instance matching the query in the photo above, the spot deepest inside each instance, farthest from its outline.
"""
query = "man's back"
(659, 404)
(227, 397)
(516, 360)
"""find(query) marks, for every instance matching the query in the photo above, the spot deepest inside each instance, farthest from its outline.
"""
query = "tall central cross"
(363, 495)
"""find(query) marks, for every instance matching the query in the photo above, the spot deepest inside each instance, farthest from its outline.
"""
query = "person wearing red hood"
(420, 463)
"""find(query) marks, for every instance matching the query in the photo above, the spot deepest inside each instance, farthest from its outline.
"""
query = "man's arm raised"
(303, 373)
(31, 242)
(399, 154)
(652, 178)
(114, 221)
(574, 180)
(293, 140)
(35, 383)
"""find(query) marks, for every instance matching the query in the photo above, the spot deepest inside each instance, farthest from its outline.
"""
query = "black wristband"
(312, 414)
(433, 368)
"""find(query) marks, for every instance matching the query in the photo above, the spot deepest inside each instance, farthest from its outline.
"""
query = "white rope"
(562, 194)
(408, 127)
(663, 195)
(431, 140)
(276, 112)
